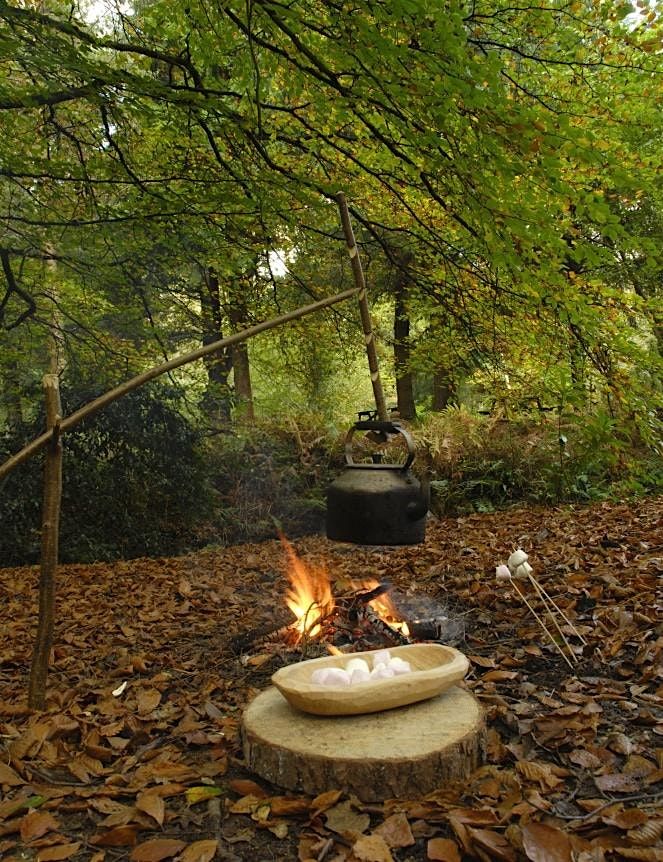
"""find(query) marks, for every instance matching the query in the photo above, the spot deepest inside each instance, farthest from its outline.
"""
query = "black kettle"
(377, 504)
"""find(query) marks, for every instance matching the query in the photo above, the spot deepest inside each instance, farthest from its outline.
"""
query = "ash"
(429, 620)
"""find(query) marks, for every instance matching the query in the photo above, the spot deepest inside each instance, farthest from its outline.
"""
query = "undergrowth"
(482, 462)
(140, 480)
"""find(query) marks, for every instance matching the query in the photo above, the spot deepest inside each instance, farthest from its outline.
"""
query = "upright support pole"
(366, 323)
(50, 529)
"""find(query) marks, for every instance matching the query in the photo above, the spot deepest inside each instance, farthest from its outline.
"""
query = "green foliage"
(269, 477)
(133, 484)
(480, 462)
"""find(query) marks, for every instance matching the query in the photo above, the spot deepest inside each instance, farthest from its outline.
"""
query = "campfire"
(362, 615)
(321, 615)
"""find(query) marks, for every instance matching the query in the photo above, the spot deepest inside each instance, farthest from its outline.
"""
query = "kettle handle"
(385, 427)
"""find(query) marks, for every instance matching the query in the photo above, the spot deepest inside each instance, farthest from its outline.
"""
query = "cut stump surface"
(405, 752)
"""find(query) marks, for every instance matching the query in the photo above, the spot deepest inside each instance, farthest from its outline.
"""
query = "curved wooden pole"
(107, 398)
(366, 323)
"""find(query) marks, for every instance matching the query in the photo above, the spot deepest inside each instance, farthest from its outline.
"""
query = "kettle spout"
(417, 509)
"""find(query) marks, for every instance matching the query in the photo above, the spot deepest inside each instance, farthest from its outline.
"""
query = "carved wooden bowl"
(435, 667)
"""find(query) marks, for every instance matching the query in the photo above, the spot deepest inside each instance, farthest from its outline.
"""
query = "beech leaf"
(442, 850)
(36, 824)
(202, 793)
(156, 849)
(543, 843)
(60, 851)
(8, 776)
(200, 851)
(153, 805)
(372, 848)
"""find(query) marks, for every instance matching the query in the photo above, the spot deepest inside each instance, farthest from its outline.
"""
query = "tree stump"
(402, 753)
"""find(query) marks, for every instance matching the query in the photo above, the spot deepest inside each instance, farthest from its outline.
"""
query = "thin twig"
(542, 624)
(552, 616)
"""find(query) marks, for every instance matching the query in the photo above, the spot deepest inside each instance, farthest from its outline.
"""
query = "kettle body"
(377, 504)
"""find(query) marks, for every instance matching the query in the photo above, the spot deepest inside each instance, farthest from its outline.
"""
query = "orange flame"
(309, 596)
(386, 609)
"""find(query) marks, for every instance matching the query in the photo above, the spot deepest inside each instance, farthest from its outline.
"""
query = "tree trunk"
(12, 394)
(50, 528)
(238, 316)
(444, 390)
(404, 377)
(216, 401)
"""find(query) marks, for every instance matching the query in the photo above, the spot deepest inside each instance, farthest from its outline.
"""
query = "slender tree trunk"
(216, 401)
(50, 529)
(238, 317)
(404, 377)
(444, 390)
(12, 394)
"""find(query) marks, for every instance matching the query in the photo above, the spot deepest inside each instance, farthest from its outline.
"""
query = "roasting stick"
(541, 623)
(551, 614)
(518, 567)
(546, 597)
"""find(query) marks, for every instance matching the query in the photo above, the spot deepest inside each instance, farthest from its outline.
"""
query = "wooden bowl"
(435, 667)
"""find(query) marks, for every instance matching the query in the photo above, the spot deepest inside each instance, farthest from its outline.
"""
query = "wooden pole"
(104, 400)
(366, 323)
(50, 528)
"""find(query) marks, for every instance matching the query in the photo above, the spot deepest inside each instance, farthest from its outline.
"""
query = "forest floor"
(137, 755)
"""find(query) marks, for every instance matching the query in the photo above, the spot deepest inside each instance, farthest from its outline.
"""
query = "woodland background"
(167, 177)
(167, 173)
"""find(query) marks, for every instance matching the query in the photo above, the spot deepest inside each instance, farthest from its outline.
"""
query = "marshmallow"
(382, 656)
(382, 671)
(357, 664)
(359, 675)
(516, 559)
(337, 676)
(399, 666)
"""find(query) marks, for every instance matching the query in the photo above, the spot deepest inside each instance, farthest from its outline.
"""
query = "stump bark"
(403, 753)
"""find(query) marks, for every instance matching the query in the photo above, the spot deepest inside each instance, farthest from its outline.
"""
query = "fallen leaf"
(474, 816)
(245, 805)
(494, 843)
(541, 772)
(200, 851)
(279, 829)
(482, 661)
(151, 804)
(644, 854)
(543, 843)
(203, 793)
(284, 806)
(584, 758)
(629, 818)
(442, 850)
(646, 834)
(147, 700)
(326, 800)
(61, 851)
(121, 836)
(499, 675)
(9, 777)
(246, 787)
(36, 824)
(620, 743)
(156, 849)
(396, 831)
(616, 783)
(342, 818)
(372, 848)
